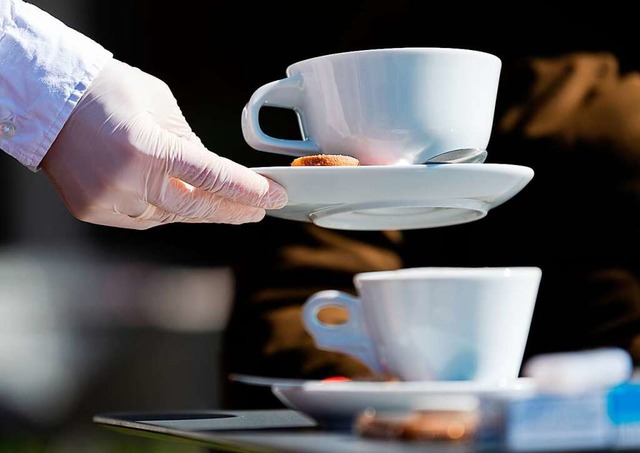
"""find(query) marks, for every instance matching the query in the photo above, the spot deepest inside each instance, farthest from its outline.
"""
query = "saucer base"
(400, 214)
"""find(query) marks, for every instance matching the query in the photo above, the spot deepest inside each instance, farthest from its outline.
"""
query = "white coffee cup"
(382, 106)
(433, 323)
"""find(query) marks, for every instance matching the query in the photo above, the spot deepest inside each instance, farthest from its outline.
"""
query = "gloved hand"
(127, 158)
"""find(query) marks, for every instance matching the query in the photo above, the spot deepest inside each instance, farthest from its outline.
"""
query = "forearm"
(45, 67)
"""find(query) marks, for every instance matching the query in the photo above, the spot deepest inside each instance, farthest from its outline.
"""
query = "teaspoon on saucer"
(270, 381)
(460, 156)
(265, 380)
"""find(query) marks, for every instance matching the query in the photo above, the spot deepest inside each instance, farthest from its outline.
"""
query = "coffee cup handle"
(285, 93)
(350, 338)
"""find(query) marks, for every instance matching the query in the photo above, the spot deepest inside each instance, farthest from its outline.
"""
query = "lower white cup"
(433, 323)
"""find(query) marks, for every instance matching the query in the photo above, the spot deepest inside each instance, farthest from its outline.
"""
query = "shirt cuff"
(45, 68)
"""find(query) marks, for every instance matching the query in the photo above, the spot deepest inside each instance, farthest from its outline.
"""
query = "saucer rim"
(521, 383)
(304, 202)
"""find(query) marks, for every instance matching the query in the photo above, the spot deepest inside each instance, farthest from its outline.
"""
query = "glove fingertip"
(276, 196)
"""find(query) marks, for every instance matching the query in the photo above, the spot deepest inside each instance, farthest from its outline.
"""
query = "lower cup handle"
(350, 338)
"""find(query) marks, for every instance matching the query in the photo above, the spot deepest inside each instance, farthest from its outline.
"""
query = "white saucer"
(379, 197)
(337, 403)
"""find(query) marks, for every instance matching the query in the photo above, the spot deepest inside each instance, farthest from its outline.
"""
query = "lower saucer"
(335, 405)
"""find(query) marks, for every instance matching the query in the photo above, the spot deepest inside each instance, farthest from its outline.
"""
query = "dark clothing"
(585, 241)
(577, 220)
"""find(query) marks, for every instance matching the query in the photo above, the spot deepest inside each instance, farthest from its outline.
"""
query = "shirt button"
(7, 129)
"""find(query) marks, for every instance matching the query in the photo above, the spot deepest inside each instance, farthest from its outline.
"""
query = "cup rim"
(399, 50)
(419, 273)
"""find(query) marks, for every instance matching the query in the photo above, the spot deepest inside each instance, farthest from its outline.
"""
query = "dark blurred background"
(94, 319)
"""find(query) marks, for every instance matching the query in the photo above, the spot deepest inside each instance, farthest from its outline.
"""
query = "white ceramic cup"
(433, 323)
(382, 106)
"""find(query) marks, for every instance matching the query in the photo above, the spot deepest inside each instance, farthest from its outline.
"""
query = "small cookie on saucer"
(325, 160)
(440, 425)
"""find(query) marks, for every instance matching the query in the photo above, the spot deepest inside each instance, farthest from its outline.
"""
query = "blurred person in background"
(568, 107)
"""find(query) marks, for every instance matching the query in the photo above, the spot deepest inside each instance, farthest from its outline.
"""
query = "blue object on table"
(558, 422)
(623, 408)
(623, 403)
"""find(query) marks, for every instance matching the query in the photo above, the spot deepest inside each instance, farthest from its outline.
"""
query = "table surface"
(270, 431)
(261, 431)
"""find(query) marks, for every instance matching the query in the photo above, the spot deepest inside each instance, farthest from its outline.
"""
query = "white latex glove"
(126, 152)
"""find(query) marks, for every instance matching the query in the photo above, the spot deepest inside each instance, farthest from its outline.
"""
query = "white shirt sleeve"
(45, 67)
